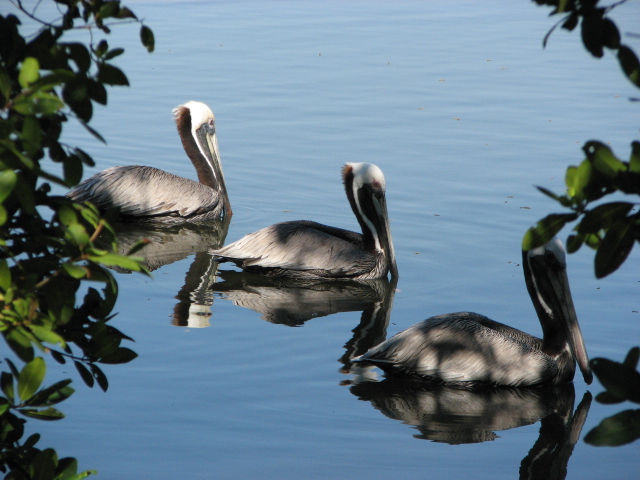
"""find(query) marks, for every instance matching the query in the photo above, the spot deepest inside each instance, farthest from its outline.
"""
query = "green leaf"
(634, 161)
(31, 377)
(147, 38)
(614, 248)
(4, 405)
(620, 429)
(75, 271)
(19, 343)
(113, 53)
(5, 276)
(630, 64)
(56, 393)
(115, 260)
(67, 215)
(109, 9)
(603, 159)
(545, 230)
(78, 234)
(8, 180)
(46, 414)
(29, 72)
(45, 334)
(578, 178)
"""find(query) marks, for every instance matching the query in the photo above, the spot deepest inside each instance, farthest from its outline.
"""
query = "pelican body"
(469, 349)
(309, 250)
(148, 193)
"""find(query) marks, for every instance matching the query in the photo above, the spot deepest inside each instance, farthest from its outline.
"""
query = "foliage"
(610, 228)
(49, 256)
(622, 383)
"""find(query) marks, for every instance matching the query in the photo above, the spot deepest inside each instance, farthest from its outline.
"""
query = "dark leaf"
(614, 248)
(114, 53)
(619, 379)
(147, 38)
(58, 357)
(100, 377)
(574, 242)
(619, 429)
(72, 170)
(56, 393)
(93, 132)
(80, 55)
(571, 22)
(6, 382)
(634, 160)
(111, 75)
(603, 216)
(610, 34)
(122, 355)
(630, 64)
(126, 13)
(592, 32)
(87, 378)
(631, 360)
(97, 92)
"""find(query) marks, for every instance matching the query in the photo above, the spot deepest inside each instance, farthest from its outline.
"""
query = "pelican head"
(366, 188)
(197, 127)
(548, 285)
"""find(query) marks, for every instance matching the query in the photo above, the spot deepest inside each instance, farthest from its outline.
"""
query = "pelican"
(148, 193)
(469, 349)
(308, 250)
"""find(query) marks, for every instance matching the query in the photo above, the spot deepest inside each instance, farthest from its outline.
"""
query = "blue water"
(464, 112)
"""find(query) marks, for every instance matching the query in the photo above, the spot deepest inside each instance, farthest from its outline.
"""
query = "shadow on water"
(171, 243)
(457, 416)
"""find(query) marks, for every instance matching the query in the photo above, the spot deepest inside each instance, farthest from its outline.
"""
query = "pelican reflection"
(171, 243)
(457, 416)
(292, 302)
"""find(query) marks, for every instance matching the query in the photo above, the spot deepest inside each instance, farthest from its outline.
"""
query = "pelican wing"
(146, 191)
(465, 347)
(301, 246)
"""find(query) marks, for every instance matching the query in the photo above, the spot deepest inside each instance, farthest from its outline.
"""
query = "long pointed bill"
(572, 327)
(554, 294)
(384, 233)
(208, 142)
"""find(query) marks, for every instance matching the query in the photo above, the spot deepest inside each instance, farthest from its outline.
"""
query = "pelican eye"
(376, 184)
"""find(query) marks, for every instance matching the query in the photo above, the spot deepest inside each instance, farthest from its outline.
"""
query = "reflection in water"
(170, 243)
(293, 302)
(458, 416)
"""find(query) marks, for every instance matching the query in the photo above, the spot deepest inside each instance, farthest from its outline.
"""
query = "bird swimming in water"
(151, 194)
(468, 349)
(309, 250)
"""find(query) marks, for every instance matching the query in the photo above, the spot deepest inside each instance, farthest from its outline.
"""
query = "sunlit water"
(464, 112)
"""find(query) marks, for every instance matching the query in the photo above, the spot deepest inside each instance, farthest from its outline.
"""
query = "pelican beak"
(208, 141)
(558, 302)
(384, 231)
(572, 327)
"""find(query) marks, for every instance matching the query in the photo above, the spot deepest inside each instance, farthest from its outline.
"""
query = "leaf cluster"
(610, 228)
(56, 290)
(597, 31)
(622, 383)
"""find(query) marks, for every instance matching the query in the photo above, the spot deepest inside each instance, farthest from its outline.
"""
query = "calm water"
(464, 112)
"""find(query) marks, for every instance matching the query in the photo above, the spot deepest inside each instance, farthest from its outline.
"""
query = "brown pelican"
(309, 250)
(147, 193)
(469, 349)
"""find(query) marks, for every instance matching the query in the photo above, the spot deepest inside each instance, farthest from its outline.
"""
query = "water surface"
(464, 112)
